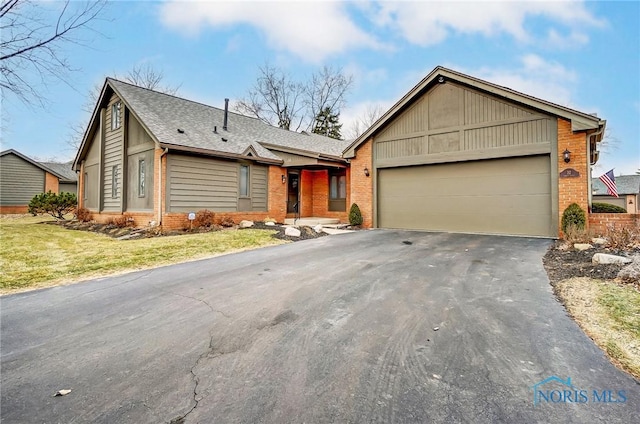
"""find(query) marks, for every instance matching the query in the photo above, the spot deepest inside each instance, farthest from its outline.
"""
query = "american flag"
(609, 180)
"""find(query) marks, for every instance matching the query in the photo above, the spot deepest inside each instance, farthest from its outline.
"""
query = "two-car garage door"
(497, 196)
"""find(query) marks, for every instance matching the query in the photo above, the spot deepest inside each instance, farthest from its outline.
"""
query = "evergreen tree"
(328, 123)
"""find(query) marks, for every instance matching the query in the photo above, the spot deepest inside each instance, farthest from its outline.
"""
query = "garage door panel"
(506, 196)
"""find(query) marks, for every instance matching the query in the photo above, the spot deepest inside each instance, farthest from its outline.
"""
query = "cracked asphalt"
(372, 326)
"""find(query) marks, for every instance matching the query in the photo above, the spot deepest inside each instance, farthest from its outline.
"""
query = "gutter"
(159, 221)
(599, 134)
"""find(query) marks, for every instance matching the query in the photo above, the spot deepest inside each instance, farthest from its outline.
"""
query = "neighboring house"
(454, 154)
(158, 157)
(21, 178)
(628, 187)
(461, 154)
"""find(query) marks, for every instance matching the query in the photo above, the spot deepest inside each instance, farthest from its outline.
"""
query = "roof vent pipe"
(226, 114)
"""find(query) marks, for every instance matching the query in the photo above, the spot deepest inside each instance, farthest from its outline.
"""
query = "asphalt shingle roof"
(62, 169)
(164, 115)
(626, 184)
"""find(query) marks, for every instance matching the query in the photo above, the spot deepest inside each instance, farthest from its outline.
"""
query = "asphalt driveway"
(373, 326)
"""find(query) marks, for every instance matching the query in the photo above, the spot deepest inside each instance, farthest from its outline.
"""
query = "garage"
(499, 196)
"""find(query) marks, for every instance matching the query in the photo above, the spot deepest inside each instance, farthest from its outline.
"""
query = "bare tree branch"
(31, 46)
(279, 100)
(371, 114)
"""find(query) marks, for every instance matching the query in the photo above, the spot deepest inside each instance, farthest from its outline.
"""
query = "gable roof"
(53, 168)
(626, 184)
(182, 124)
(580, 121)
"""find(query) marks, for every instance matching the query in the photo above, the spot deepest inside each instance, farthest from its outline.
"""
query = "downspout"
(166, 150)
(589, 185)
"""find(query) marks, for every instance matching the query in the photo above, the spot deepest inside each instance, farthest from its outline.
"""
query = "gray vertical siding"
(456, 119)
(68, 188)
(19, 181)
(92, 185)
(113, 153)
(135, 202)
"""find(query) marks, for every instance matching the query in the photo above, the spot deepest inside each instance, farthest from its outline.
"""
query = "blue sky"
(585, 55)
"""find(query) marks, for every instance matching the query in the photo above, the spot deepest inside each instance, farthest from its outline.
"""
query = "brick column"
(576, 189)
(362, 186)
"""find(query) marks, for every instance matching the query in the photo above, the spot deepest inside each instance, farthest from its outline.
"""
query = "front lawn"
(609, 313)
(35, 254)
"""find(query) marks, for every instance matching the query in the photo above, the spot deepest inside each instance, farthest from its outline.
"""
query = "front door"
(293, 190)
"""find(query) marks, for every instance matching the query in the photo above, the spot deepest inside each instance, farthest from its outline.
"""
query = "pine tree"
(328, 123)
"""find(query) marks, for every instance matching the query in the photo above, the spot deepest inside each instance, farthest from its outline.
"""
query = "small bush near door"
(606, 208)
(573, 217)
(355, 216)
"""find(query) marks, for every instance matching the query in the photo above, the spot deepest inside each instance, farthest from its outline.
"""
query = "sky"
(584, 55)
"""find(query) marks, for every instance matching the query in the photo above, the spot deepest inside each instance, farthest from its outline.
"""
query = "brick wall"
(12, 210)
(277, 194)
(599, 222)
(361, 185)
(51, 182)
(572, 190)
(307, 191)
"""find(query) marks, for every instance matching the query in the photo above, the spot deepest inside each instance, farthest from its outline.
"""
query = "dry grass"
(34, 254)
(609, 314)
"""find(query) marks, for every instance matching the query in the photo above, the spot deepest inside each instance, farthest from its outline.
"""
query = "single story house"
(628, 187)
(21, 178)
(158, 157)
(456, 153)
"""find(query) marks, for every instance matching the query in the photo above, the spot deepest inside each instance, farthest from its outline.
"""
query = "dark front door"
(293, 189)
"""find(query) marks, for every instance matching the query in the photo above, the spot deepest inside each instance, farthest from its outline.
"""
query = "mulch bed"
(130, 233)
(563, 262)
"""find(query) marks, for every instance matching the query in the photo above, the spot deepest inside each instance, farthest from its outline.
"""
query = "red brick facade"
(599, 223)
(573, 189)
(362, 185)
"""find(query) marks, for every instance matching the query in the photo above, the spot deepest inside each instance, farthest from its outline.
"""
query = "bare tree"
(275, 99)
(279, 100)
(31, 44)
(141, 75)
(148, 77)
(327, 91)
(371, 114)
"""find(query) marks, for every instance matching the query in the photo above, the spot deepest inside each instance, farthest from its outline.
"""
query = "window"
(244, 180)
(141, 181)
(115, 116)
(114, 181)
(338, 190)
(338, 186)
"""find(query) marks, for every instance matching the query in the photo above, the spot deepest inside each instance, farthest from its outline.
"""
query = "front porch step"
(312, 221)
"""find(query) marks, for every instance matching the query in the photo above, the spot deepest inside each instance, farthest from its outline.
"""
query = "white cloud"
(310, 30)
(535, 76)
(429, 23)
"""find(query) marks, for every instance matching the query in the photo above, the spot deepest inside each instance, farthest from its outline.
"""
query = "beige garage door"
(499, 196)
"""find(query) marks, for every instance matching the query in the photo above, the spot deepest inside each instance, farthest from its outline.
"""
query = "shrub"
(622, 237)
(355, 216)
(226, 221)
(56, 205)
(122, 221)
(573, 234)
(574, 216)
(606, 208)
(83, 215)
(204, 219)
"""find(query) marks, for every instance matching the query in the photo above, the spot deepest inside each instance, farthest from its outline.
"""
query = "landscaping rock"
(270, 224)
(631, 272)
(582, 246)
(246, 224)
(317, 228)
(600, 241)
(604, 258)
(292, 232)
